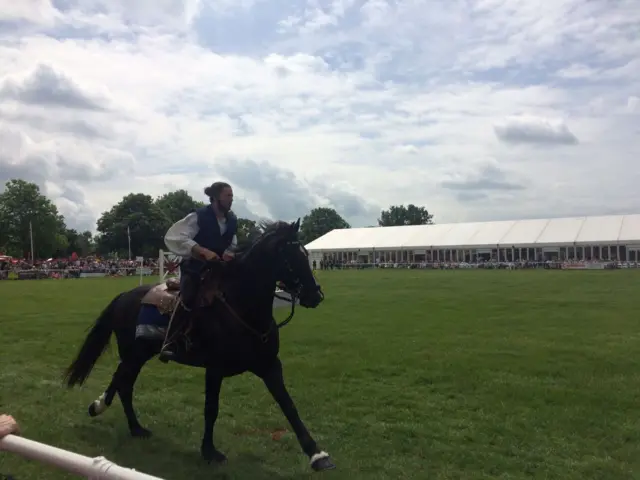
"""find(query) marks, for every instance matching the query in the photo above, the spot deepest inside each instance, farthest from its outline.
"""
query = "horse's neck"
(253, 295)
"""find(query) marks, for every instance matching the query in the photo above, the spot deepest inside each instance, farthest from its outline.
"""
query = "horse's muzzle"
(311, 298)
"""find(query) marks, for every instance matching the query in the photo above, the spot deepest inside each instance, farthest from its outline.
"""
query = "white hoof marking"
(318, 456)
(100, 405)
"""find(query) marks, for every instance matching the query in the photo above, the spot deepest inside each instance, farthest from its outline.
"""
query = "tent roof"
(612, 229)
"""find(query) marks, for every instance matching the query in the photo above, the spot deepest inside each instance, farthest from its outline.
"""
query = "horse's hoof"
(140, 432)
(321, 461)
(211, 455)
(92, 410)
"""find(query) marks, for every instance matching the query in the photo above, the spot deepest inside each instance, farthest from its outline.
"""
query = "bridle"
(294, 290)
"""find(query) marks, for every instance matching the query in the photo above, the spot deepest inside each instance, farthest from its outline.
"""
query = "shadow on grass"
(159, 455)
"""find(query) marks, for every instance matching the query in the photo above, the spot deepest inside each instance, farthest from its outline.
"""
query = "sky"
(476, 109)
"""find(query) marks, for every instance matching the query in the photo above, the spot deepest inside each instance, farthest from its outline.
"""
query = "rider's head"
(221, 195)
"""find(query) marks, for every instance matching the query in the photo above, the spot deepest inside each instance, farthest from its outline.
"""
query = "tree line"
(25, 213)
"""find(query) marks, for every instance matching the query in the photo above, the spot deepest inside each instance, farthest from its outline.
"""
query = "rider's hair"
(214, 191)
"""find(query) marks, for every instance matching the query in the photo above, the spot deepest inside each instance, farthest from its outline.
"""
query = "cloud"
(60, 125)
(346, 201)
(286, 196)
(535, 131)
(47, 87)
(72, 203)
(351, 104)
(61, 170)
(576, 71)
(279, 190)
(40, 12)
(488, 181)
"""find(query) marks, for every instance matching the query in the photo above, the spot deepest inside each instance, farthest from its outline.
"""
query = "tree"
(86, 244)
(138, 214)
(80, 243)
(61, 246)
(398, 215)
(247, 230)
(22, 207)
(176, 205)
(320, 221)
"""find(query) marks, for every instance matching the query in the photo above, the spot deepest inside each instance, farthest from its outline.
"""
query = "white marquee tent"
(614, 230)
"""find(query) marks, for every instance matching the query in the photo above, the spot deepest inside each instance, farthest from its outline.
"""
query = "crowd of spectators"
(69, 268)
(331, 264)
(94, 266)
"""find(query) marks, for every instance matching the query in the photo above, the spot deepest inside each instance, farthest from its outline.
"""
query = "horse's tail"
(94, 346)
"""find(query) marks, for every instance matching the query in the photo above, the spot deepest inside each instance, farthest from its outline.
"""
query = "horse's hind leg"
(125, 390)
(125, 382)
(127, 350)
(105, 400)
(122, 383)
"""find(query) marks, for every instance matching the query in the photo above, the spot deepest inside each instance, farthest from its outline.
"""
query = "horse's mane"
(253, 248)
(267, 229)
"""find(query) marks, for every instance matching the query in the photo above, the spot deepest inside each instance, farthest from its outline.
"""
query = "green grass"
(399, 374)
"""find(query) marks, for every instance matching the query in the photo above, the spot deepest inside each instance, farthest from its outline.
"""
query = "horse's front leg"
(274, 380)
(213, 383)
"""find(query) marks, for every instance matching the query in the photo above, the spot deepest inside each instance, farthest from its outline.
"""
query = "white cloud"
(46, 87)
(533, 130)
(352, 104)
(577, 70)
(40, 12)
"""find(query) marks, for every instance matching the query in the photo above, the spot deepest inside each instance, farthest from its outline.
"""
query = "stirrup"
(166, 356)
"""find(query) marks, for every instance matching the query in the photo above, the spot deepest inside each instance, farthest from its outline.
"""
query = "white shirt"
(180, 237)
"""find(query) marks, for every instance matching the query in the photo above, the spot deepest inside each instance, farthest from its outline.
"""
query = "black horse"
(234, 332)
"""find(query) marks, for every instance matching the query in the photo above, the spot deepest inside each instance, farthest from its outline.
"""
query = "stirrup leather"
(176, 335)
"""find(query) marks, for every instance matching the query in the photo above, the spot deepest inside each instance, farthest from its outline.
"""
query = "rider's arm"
(179, 239)
(232, 248)
(234, 245)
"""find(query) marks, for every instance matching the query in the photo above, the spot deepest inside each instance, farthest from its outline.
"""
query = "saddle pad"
(151, 323)
(151, 332)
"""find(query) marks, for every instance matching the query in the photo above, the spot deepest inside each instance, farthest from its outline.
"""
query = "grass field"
(398, 375)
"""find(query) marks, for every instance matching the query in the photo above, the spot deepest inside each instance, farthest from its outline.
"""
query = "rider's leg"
(188, 293)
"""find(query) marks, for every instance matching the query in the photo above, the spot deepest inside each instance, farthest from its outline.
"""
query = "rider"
(208, 233)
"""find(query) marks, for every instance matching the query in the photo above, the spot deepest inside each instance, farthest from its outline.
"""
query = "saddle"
(163, 296)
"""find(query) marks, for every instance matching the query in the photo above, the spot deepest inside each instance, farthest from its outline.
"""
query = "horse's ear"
(296, 225)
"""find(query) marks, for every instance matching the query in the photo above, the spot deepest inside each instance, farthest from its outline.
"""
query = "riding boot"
(174, 335)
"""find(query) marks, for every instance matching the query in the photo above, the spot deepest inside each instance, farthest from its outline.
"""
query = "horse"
(235, 332)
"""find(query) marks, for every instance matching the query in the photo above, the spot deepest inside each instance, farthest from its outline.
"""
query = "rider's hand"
(208, 255)
(226, 256)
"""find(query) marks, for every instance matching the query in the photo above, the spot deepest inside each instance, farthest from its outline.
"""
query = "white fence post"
(97, 468)
(140, 263)
(162, 259)
(161, 264)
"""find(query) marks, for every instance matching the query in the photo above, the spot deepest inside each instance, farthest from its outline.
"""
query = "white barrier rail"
(97, 468)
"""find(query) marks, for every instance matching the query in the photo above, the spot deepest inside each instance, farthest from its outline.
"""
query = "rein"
(264, 337)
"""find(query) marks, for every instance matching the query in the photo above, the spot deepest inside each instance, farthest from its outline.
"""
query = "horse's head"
(293, 268)
(280, 251)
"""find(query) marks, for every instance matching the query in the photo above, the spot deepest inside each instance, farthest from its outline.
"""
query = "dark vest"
(209, 235)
